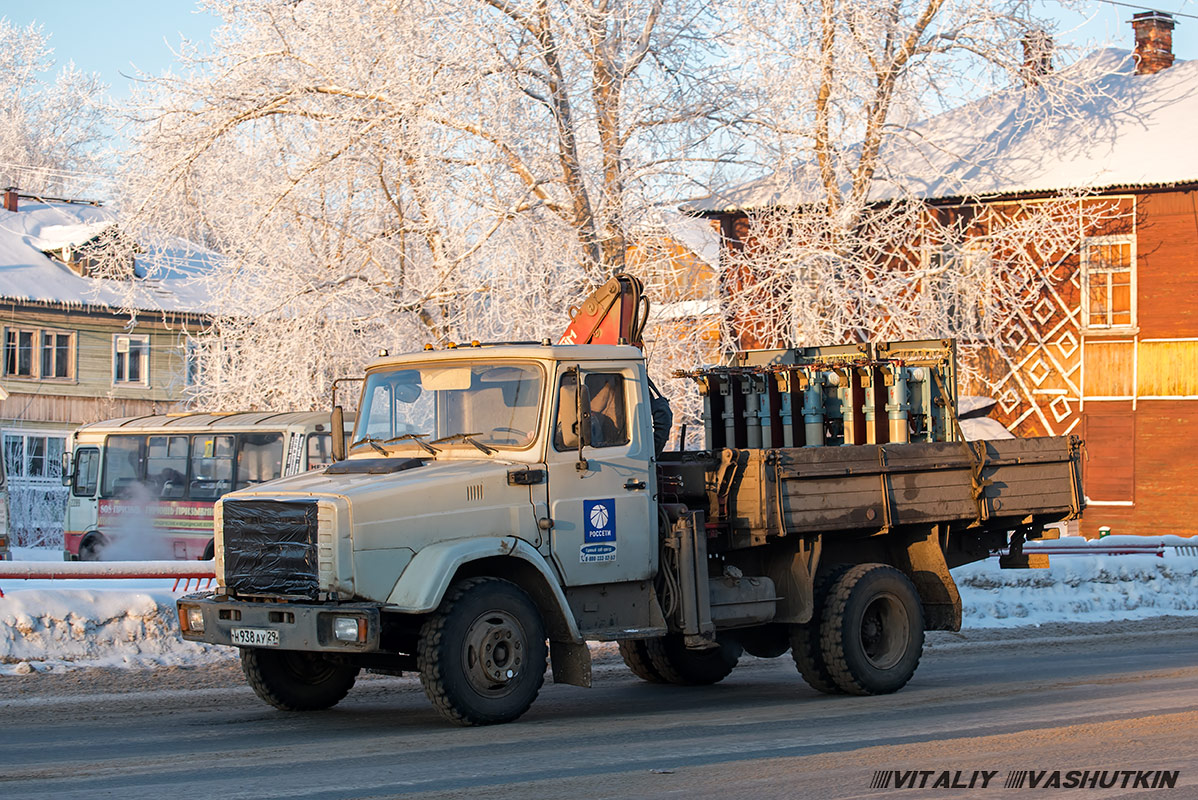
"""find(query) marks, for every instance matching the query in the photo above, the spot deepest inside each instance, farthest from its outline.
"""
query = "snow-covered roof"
(169, 273)
(1095, 125)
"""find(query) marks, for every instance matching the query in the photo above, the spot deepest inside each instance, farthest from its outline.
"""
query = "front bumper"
(304, 627)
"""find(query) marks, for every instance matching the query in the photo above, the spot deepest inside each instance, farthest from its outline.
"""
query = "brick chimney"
(10, 198)
(1037, 56)
(1154, 41)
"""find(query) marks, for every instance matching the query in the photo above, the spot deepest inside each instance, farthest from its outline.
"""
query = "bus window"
(211, 466)
(259, 458)
(87, 470)
(166, 465)
(122, 464)
(320, 450)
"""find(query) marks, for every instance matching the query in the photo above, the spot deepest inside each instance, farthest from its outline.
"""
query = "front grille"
(271, 548)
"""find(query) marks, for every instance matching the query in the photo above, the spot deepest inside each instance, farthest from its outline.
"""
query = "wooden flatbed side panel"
(871, 487)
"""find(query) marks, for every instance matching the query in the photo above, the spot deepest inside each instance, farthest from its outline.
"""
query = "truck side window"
(603, 394)
(87, 470)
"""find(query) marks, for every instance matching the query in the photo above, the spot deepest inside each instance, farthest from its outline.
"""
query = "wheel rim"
(493, 653)
(885, 630)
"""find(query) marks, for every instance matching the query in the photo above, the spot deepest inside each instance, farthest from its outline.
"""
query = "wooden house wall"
(91, 394)
(1131, 393)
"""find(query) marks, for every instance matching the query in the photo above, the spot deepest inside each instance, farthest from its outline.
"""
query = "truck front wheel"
(871, 632)
(482, 653)
(297, 681)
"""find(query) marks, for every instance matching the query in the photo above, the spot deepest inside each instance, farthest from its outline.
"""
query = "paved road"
(1110, 697)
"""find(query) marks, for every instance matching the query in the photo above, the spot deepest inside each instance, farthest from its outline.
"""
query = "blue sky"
(114, 37)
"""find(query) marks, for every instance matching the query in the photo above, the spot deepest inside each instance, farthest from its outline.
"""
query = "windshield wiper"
(373, 442)
(416, 437)
(468, 438)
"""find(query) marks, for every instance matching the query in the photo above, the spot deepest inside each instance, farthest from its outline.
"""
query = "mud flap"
(923, 562)
(571, 662)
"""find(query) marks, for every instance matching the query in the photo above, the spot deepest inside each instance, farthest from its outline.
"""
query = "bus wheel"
(871, 633)
(91, 546)
(482, 653)
(296, 681)
(681, 665)
(209, 550)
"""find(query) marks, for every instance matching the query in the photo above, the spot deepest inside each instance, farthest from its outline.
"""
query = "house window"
(56, 354)
(39, 353)
(1109, 282)
(33, 456)
(955, 287)
(130, 359)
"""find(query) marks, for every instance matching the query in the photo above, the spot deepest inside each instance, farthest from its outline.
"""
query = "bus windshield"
(497, 406)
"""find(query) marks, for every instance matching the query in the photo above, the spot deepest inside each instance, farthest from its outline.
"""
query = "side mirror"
(338, 434)
(582, 418)
(67, 475)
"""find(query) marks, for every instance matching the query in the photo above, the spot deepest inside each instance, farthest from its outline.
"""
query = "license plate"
(255, 637)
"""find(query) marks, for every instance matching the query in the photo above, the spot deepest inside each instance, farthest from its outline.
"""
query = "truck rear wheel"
(636, 658)
(676, 663)
(482, 653)
(872, 630)
(805, 639)
(297, 681)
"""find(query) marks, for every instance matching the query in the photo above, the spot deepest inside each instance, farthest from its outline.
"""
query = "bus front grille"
(271, 548)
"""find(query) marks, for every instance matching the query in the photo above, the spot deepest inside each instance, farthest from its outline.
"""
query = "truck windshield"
(498, 406)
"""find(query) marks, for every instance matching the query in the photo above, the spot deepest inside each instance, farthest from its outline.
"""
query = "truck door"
(603, 510)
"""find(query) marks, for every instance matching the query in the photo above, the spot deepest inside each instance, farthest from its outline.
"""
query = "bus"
(143, 487)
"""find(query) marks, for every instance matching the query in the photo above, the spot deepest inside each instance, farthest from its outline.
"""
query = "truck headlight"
(195, 619)
(349, 629)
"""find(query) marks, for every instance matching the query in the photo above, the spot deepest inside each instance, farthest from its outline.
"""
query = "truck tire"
(805, 639)
(680, 665)
(296, 681)
(636, 658)
(765, 641)
(482, 653)
(872, 630)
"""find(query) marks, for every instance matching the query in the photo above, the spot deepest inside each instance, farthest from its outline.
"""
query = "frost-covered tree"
(840, 242)
(51, 130)
(381, 174)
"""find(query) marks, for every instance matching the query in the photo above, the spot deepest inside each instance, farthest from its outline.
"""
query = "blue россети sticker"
(599, 531)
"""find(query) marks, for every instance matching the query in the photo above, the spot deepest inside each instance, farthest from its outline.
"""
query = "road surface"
(1118, 698)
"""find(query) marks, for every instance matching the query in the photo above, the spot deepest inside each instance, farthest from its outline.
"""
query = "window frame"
(144, 377)
(51, 466)
(38, 332)
(1087, 270)
(623, 378)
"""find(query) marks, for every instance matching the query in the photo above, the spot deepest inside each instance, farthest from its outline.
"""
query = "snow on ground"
(53, 626)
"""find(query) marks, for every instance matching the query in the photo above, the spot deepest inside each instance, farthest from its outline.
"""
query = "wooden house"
(86, 336)
(1106, 343)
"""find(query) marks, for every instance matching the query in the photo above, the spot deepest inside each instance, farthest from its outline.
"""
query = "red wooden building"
(1106, 345)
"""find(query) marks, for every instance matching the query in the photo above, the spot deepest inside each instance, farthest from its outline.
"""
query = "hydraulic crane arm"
(615, 313)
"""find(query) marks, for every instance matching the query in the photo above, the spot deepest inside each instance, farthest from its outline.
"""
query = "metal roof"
(200, 422)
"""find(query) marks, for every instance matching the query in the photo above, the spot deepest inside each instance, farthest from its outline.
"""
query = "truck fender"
(425, 580)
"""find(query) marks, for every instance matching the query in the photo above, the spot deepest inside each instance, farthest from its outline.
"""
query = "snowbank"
(59, 625)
